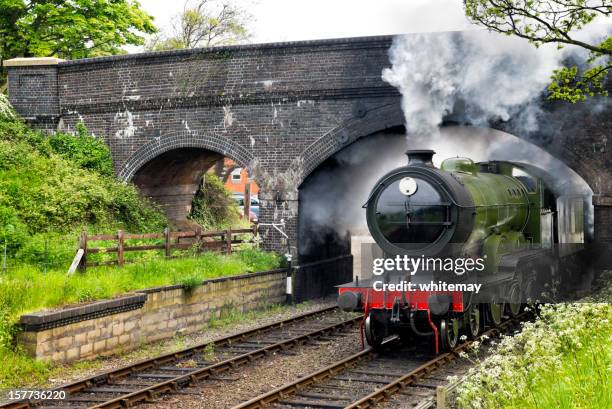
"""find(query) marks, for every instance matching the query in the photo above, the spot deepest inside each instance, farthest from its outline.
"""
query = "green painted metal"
(507, 213)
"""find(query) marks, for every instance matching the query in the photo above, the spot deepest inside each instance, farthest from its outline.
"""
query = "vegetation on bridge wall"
(52, 186)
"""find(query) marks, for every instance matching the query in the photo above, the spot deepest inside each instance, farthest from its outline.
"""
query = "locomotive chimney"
(420, 157)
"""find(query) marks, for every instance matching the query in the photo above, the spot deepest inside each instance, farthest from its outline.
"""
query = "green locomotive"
(497, 213)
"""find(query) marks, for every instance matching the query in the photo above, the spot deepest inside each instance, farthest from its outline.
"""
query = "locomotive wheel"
(373, 333)
(449, 332)
(513, 307)
(495, 311)
(472, 321)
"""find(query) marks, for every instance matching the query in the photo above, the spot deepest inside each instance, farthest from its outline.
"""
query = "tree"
(553, 21)
(204, 24)
(70, 29)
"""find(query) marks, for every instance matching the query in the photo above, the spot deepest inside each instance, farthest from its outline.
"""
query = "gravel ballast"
(245, 383)
(69, 373)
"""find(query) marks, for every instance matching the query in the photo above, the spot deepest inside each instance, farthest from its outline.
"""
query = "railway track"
(366, 378)
(145, 380)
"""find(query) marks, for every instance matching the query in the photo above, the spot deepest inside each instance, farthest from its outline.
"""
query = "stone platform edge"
(47, 319)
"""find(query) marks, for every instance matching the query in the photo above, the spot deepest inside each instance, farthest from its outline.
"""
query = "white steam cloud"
(479, 75)
(476, 78)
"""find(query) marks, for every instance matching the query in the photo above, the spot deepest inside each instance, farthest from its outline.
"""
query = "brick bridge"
(279, 109)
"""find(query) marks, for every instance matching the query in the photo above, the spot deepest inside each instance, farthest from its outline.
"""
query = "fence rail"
(221, 240)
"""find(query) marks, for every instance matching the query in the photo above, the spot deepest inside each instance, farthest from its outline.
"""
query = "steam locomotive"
(496, 214)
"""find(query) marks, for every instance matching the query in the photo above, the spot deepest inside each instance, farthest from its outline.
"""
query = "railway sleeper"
(327, 396)
(312, 404)
(364, 380)
(110, 390)
(155, 376)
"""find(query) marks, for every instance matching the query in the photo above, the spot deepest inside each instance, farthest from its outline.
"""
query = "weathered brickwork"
(280, 109)
(165, 311)
(34, 93)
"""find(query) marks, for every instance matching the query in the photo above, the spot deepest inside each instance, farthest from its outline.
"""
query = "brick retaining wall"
(107, 327)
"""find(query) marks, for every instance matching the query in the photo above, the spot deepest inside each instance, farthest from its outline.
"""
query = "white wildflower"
(6, 110)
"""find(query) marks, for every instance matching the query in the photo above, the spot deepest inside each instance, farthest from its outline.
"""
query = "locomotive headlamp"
(408, 186)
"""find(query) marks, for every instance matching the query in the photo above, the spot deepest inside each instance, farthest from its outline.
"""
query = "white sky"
(291, 20)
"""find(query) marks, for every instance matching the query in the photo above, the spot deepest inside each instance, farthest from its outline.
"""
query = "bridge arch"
(330, 198)
(181, 140)
(169, 169)
(390, 115)
(366, 122)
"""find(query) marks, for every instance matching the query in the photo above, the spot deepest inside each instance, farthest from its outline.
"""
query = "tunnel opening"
(332, 221)
(175, 178)
(329, 198)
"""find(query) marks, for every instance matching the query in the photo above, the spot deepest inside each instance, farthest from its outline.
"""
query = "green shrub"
(213, 206)
(84, 150)
(81, 149)
(13, 232)
(191, 282)
(53, 249)
(53, 186)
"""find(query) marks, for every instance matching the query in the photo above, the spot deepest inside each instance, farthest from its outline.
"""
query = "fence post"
(198, 238)
(120, 259)
(247, 200)
(83, 245)
(167, 248)
(228, 239)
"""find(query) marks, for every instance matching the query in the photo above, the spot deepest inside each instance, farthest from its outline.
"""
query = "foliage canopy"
(553, 21)
(70, 29)
(204, 23)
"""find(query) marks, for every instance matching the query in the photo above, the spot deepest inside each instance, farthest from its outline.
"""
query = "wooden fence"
(222, 240)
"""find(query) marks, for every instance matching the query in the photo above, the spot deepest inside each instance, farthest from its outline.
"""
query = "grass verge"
(27, 289)
(562, 360)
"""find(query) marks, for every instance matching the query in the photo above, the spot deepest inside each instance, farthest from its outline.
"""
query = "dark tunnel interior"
(173, 178)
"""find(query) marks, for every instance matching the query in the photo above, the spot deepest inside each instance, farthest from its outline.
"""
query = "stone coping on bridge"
(350, 42)
(31, 61)
(602, 199)
(121, 324)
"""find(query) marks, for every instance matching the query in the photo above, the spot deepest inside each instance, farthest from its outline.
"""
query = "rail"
(145, 380)
(361, 398)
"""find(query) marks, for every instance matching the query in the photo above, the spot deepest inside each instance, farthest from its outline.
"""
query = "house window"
(236, 175)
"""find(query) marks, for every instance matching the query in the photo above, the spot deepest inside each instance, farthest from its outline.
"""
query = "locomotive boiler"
(495, 215)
